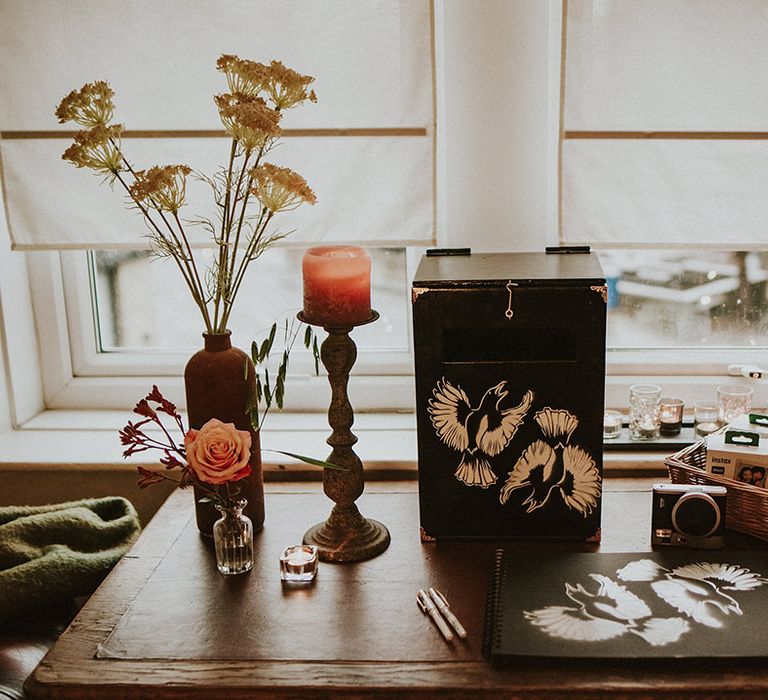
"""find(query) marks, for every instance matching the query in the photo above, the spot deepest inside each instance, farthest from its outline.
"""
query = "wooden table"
(166, 624)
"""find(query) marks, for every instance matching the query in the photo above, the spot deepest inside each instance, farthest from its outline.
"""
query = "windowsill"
(88, 440)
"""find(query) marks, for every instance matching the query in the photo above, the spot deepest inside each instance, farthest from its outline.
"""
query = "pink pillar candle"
(337, 285)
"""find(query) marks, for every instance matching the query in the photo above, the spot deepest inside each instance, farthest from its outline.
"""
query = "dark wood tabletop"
(166, 624)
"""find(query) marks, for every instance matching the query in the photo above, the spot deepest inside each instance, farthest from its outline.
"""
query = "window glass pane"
(694, 299)
(142, 302)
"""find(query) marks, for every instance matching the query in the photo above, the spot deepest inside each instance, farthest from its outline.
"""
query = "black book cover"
(664, 604)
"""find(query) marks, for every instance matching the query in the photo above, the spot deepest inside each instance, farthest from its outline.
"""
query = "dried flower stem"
(224, 245)
(247, 257)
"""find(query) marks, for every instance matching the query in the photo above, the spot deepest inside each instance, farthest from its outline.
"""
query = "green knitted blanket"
(49, 554)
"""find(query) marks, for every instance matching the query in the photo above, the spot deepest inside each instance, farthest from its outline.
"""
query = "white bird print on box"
(478, 433)
(551, 466)
(609, 612)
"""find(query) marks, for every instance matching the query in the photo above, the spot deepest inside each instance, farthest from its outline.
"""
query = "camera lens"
(695, 515)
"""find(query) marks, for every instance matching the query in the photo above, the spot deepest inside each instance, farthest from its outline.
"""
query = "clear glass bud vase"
(233, 539)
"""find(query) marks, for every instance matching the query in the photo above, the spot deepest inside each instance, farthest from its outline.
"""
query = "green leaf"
(267, 390)
(255, 352)
(280, 392)
(310, 460)
(308, 337)
(316, 355)
(254, 414)
(266, 345)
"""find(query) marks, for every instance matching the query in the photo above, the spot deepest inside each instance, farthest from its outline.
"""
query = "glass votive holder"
(611, 425)
(670, 416)
(733, 400)
(705, 418)
(644, 411)
(298, 563)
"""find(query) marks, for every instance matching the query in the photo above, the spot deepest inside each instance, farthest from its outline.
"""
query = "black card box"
(510, 381)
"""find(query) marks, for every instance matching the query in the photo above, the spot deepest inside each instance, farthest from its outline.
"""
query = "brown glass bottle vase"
(218, 380)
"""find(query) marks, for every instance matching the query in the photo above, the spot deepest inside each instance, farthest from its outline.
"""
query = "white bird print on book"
(478, 433)
(701, 591)
(610, 612)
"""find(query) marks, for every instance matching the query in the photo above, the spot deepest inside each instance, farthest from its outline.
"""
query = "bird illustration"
(545, 468)
(696, 590)
(478, 433)
(609, 612)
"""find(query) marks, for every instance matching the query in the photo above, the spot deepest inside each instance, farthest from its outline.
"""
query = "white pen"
(444, 608)
(428, 608)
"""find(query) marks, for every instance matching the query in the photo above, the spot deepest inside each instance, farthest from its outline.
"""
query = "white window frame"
(492, 194)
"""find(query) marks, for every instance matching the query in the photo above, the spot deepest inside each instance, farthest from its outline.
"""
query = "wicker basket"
(747, 506)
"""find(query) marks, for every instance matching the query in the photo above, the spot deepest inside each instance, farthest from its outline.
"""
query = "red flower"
(147, 477)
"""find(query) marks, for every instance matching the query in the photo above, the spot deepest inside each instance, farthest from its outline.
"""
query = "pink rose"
(218, 452)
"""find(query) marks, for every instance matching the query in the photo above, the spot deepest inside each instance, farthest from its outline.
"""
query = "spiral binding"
(493, 612)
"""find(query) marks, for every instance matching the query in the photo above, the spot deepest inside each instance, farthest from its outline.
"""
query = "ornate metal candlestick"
(346, 535)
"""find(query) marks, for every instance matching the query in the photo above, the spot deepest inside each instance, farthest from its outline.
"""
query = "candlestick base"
(346, 536)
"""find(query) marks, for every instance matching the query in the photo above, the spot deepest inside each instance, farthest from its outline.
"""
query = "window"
(627, 126)
(663, 165)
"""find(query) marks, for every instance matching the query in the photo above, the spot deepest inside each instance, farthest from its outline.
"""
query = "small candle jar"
(337, 286)
(644, 411)
(611, 425)
(298, 563)
(670, 416)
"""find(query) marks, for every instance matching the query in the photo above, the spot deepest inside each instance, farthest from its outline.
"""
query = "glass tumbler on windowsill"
(644, 411)
(233, 540)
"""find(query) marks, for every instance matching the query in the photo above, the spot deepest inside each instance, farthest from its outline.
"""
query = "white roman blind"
(664, 128)
(366, 147)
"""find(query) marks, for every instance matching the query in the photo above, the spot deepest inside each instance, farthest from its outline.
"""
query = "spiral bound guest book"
(665, 604)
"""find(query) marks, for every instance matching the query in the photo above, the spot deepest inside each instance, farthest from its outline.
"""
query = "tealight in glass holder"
(670, 416)
(705, 418)
(644, 411)
(298, 563)
(611, 425)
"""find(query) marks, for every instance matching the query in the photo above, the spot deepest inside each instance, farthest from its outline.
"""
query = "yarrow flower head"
(248, 120)
(98, 149)
(280, 189)
(89, 106)
(164, 187)
(243, 77)
(287, 88)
